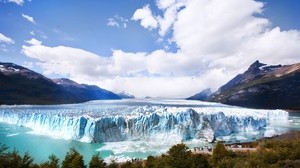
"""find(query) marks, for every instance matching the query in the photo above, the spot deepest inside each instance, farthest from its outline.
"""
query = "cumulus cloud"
(215, 41)
(65, 60)
(145, 16)
(18, 2)
(28, 18)
(170, 8)
(6, 39)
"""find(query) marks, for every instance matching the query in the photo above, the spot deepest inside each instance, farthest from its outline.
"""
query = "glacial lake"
(41, 144)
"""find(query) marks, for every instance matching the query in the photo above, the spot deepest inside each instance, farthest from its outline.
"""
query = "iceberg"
(123, 120)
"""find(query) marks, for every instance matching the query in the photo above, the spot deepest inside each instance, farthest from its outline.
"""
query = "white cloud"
(226, 39)
(28, 64)
(170, 8)
(65, 60)
(34, 42)
(6, 39)
(117, 21)
(18, 2)
(216, 40)
(28, 18)
(111, 22)
(145, 16)
(164, 4)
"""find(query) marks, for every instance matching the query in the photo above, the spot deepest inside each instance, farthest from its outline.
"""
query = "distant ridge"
(125, 95)
(20, 85)
(203, 95)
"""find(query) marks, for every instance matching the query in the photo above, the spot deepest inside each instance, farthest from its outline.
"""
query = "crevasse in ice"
(110, 121)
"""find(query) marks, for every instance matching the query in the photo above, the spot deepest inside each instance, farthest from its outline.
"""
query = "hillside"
(263, 86)
(19, 85)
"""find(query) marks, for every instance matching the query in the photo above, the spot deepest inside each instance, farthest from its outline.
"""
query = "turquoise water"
(40, 147)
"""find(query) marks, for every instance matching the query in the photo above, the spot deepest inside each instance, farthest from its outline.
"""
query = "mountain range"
(263, 86)
(20, 85)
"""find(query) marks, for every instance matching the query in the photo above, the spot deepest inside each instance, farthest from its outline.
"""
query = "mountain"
(263, 86)
(125, 95)
(20, 85)
(203, 95)
(85, 92)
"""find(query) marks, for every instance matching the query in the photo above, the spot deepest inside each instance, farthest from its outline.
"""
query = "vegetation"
(97, 162)
(270, 153)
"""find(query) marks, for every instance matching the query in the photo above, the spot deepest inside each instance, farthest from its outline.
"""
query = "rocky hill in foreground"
(19, 85)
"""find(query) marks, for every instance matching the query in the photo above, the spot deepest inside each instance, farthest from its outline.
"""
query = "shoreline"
(247, 146)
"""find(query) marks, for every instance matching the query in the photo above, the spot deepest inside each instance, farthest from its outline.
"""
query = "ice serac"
(111, 123)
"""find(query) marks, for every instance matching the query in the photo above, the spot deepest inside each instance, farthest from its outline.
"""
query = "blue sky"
(164, 48)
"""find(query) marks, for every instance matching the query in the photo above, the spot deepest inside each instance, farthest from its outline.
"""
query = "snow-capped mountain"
(263, 86)
(20, 85)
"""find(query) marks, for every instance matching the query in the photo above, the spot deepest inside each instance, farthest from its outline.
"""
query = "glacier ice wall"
(120, 122)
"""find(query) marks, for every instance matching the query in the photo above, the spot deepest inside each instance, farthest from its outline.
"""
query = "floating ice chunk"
(270, 133)
(10, 135)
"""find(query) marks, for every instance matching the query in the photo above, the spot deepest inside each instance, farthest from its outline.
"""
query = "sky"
(159, 48)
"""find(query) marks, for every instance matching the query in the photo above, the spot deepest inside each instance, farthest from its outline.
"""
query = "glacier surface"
(123, 120)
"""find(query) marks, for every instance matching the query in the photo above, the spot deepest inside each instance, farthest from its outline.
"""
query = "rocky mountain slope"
(263, 86)
(19, 85)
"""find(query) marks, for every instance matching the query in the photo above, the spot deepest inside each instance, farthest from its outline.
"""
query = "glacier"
(132, 120)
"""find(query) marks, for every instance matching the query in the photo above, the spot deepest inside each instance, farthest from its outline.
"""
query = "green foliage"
(219, 153)
(73, 159)
(128, 164)
(199, 161)
(178, 156)
(26, 161)
(150, 162)
(3, 148)
(97, 162)
(14, 160)
(113, 164)
(52, 163)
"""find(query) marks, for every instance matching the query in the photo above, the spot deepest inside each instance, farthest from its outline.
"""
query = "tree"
(73, 159)
(178, 156)
(52, 163)
(14, 159)
(97, 162)
(199, 161)
(219, 152)
(150, 162)
(113, 164)
(3, 148)
(26, 161)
